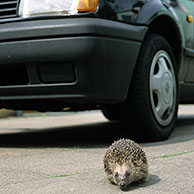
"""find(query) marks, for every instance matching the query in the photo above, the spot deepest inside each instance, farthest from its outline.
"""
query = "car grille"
(8, 8)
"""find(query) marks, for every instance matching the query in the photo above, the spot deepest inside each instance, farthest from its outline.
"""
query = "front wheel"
(150, 110)
(162, 88)
(153, 96)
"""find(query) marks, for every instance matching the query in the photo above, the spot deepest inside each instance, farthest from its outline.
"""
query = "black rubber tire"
(139, 109)
(137, 112)
(113, 112)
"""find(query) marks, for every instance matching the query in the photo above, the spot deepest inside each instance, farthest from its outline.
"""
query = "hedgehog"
(125, 162)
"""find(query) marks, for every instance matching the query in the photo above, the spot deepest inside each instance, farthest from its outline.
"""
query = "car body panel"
(90, 44)
(98, 49)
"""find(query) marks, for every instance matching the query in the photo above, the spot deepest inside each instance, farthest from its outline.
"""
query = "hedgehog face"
(122, 176)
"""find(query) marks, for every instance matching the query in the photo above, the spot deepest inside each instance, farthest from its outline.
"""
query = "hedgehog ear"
(109, 170)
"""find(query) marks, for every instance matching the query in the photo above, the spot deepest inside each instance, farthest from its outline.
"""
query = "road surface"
(62, 154)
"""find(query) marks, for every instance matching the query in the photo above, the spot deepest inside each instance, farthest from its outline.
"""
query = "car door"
(185, 11)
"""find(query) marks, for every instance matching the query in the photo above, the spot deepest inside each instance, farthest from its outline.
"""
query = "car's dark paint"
(102, 48)
(146, 12)
(174, 13)
(90, 44)
(126, 11)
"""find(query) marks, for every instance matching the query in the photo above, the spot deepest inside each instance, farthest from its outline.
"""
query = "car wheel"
(152, 102)
(150, 110)
(112, 112)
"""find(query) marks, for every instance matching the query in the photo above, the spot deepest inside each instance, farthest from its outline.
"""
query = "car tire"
(150, 110)
(112, 112)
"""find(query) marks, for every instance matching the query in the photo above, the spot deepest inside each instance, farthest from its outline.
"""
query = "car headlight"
(51, 7)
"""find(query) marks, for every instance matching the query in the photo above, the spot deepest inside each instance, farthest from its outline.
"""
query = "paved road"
(63, 155)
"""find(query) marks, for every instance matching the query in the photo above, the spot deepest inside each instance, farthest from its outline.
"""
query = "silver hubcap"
(162, 88)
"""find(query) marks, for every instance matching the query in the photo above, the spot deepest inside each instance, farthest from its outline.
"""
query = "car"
(133, 59)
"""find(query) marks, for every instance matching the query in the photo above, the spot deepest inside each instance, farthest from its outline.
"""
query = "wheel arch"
(166, 27)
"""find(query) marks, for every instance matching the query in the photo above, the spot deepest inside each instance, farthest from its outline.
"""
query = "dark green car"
(134, 59)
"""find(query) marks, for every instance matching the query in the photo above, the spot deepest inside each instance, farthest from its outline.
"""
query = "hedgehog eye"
(127, 173)
(116, 174)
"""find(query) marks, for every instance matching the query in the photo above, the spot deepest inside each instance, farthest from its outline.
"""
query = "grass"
(62, 175)
(172, 155)
(76, 147)
(77, 173)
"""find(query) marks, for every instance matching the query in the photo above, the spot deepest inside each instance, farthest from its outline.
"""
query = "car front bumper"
(96, 56)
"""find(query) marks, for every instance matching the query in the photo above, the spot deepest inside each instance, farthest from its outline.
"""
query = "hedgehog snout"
(122, 184)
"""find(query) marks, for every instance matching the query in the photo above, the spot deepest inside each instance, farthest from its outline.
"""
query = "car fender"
(156, 8)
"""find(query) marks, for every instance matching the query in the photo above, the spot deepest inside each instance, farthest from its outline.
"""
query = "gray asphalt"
(62, 154)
